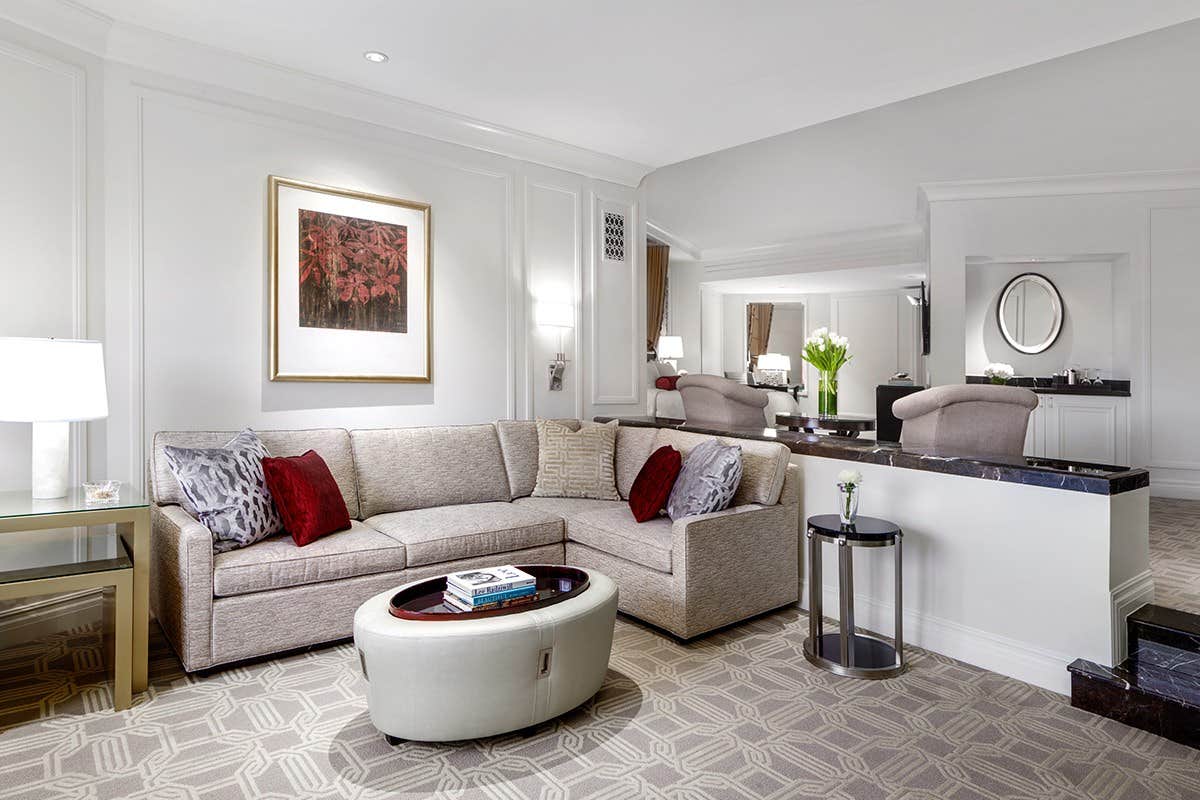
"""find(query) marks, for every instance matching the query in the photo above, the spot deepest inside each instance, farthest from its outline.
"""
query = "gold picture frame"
(278, 372)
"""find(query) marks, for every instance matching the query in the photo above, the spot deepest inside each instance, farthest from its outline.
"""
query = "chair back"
(967, 419)
(709, 400)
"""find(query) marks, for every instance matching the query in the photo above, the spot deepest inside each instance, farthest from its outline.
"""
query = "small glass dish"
(101, 492)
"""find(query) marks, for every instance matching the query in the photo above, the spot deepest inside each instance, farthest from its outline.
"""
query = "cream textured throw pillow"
(576, 463)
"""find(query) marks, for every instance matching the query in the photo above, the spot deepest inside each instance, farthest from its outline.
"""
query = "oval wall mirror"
(1030, 313)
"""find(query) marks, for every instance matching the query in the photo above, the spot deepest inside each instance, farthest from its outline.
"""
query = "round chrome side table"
(855, 655)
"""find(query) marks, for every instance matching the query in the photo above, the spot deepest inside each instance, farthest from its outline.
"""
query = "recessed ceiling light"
(375, 57)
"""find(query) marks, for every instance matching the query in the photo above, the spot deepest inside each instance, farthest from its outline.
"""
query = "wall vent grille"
(614, 236)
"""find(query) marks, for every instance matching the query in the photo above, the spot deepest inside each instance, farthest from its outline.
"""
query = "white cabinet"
(1088, 428)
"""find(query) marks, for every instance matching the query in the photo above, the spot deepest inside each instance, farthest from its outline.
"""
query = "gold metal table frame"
(131, 516)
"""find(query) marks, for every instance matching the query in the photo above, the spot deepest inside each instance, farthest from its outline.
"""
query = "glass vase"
(847, 502)
(827, 391)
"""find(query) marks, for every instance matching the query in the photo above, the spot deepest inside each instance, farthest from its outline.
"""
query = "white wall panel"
(618, 317)
(204, 169)
(42, 218)
(554, 253)
(1174, 333)
(877, 333)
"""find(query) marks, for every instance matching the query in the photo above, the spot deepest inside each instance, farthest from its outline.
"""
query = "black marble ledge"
(1109, 388)
(1047, 473)
(1160, 701)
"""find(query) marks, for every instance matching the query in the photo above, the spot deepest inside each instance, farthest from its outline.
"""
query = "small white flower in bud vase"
(849, 481)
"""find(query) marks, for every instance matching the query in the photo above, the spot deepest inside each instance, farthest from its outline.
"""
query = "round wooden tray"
(423, 601)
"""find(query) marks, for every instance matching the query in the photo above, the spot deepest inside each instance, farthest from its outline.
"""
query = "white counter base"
(1017, 579)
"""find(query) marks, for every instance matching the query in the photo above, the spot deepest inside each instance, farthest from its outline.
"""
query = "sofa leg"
(392, 740)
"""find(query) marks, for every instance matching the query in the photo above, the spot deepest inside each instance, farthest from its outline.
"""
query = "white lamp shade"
(554, 315)
(774, 361)
(52, 380)
(670, 347)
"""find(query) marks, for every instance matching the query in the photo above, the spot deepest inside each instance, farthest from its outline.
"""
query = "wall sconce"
(562, 317)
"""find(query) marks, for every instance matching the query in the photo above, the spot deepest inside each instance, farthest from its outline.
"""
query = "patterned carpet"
(1175, 553)
(736, 715)
(739, 714)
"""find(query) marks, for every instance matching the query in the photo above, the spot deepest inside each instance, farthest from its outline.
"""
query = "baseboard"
(983, 649)
(1128, 597)
(44, 616)
(1179, 490)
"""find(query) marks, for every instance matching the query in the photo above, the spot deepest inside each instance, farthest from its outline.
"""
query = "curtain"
(657, 256)
(758, 330)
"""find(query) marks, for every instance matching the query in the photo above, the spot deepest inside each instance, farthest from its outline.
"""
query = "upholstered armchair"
(967, 418)
(709, 400)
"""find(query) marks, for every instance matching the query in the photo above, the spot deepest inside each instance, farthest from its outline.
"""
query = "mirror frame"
(1056, 302)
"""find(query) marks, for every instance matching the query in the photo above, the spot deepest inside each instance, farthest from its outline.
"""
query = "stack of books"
(484, 589)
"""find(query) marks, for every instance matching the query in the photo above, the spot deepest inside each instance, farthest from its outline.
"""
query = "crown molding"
(863, 247)
(1060, 185)
(678, 244)
(64, 20)
(154, 51)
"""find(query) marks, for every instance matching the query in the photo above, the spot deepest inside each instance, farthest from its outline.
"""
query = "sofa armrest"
(740, 561)
(182, 583)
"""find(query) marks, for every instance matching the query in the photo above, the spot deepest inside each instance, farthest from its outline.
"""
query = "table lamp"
(52, 383)
(774, 368)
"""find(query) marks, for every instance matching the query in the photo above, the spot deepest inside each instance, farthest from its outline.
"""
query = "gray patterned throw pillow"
(708, 480)
(225, 488)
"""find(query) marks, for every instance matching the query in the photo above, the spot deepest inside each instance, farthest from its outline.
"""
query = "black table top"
(863, 529)
(838, 422)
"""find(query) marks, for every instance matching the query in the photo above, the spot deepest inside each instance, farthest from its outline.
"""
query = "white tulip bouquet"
(827, 351)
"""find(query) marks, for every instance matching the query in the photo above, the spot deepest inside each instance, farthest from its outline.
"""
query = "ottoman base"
(466, 679)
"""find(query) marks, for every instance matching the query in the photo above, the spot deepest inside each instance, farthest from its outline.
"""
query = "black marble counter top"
(1109, 388)
(1049, 473)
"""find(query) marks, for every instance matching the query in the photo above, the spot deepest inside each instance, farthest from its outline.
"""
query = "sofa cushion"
(708, 480)
(616, 532)
(225, 488)
(307, 496)
(277, 563)
(333, 445)
(764, 464)
(653, 485)
(567, 507)
(400, 469)
(578, 463)
(634, 446)
(447, 533)
(519, 445)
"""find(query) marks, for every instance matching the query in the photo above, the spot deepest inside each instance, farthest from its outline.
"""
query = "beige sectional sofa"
(427, 501)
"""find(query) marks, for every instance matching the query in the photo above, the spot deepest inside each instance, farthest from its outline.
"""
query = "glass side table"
(41, 562)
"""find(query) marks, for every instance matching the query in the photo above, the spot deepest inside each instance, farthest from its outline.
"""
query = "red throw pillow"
(653, 484)
(666, 382)
(307, 496)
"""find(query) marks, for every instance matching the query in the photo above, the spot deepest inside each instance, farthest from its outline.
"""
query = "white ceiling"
(865, 279)
(655, 82)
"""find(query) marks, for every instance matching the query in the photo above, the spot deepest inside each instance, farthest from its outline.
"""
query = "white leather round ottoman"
(445, 677)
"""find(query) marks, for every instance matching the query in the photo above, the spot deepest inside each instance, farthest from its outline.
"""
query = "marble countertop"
(1109, 388)
(1049, 473)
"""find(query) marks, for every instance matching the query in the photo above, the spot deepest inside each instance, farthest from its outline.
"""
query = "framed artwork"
(349, 284)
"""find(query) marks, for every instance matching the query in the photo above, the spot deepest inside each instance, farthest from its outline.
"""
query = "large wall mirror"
(776, 329)
(1030, 313)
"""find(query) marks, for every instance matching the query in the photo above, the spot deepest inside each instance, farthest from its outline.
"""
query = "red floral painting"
(353, 273)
